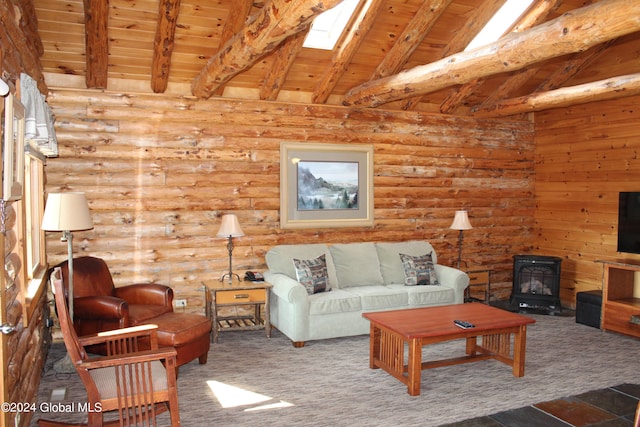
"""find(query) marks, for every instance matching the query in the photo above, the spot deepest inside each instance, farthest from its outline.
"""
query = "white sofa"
(363, 277)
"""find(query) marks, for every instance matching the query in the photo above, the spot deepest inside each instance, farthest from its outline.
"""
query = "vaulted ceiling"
(395, 54)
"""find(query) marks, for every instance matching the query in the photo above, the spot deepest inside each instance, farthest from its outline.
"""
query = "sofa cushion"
(280, 259)
(418, 270)
(380, 297)
(312, 274)
(336, 301)
(356, 264)
(420, 296)
(391, 266)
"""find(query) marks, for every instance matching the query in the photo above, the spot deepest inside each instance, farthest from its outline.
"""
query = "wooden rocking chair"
(139, 385)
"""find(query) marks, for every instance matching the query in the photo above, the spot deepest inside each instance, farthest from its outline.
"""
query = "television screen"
(629, 222)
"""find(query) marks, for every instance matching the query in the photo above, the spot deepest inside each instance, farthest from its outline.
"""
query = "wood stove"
(536, 281)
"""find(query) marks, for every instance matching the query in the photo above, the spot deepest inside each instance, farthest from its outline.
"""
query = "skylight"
(501, 21)
(329, 25)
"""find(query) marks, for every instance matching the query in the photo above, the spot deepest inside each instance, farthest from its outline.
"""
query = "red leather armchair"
(100, 306)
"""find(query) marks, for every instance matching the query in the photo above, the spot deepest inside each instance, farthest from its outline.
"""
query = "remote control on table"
(462, 324)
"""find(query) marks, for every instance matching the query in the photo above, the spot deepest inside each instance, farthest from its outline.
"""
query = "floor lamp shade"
(66, 212)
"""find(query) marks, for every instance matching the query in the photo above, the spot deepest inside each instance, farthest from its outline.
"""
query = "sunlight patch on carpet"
(230, 396)
(281, 404)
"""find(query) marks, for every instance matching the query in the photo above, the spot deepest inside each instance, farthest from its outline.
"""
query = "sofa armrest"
(286, 288)
(453, 278)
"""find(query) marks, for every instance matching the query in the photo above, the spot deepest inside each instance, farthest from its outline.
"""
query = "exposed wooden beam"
(616, 87)
(411, 37)
(573, 66)
(575, 31)
(96, 23)
(163, 44)
(536, 15)
(282, 62)
(358, 29)
(13, 20)
(568, 69)
(238, 13)
(266, 30)
(462, 38)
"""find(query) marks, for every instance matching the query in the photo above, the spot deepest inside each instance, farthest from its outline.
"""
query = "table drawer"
(238, 296)
(478, 277)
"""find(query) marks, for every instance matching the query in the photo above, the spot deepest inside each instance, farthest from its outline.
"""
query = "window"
(499, 23)
(34, 207)
(31, 208)
(329, 26)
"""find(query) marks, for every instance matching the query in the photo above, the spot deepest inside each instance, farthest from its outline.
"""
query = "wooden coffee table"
(392, 330)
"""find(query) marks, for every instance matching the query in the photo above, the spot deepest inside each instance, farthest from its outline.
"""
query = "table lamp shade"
(66, 212)
(230, 227)
(461, 221)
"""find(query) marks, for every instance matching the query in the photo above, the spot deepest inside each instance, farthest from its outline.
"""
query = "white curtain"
(39, 130)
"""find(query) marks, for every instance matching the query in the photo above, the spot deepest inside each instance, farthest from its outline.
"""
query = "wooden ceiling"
(395, 54)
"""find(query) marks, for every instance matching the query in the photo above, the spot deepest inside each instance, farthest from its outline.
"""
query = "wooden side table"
(240, 294)
(478, 276)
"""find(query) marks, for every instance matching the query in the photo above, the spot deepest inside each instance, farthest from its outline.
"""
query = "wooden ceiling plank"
(413, 34)
(360, 26)
(96, 21)
(573, 66)
(616, 87)
(536, 15)
(462, 38)
(238, 14)
(571, 32)
(163, 44)
(282, 62)
(267, 29)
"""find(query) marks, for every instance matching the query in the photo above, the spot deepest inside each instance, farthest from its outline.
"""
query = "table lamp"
(460, 222)
(230, 227)
(67, 212)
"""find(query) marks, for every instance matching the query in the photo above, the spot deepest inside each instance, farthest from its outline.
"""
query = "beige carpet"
(250, 380)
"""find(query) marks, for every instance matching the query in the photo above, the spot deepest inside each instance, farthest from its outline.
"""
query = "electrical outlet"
(181, 303)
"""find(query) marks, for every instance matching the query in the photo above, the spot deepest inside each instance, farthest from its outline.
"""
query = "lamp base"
(230, 275)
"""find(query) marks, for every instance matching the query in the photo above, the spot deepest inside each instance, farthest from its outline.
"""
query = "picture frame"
(341, 195)
(13, 149)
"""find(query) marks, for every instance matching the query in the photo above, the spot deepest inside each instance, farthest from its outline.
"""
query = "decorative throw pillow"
(312, 274)
(419, 270)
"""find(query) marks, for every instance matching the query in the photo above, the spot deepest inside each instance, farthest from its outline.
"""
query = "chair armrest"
(163, 353)
(140, 331)
(101, 307)
(146, 293)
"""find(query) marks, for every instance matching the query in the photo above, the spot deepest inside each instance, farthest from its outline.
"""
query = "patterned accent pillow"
(419, 270)
(312, 274)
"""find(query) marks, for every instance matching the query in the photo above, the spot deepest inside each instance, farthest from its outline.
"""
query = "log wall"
(160, 171)
(585, 155)
(24, 351)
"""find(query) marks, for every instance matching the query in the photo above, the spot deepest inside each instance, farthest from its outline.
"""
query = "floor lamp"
(67, 212)
(230, 227)
(460, 222)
